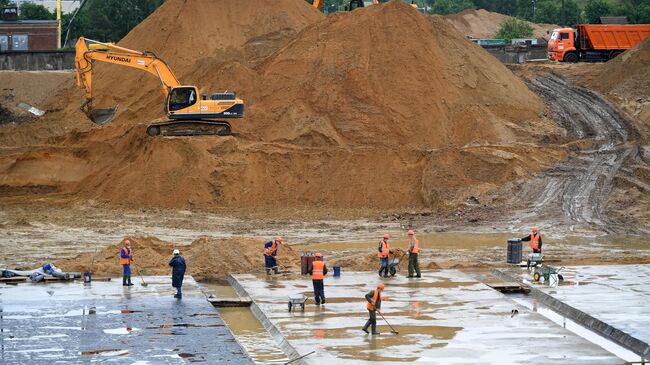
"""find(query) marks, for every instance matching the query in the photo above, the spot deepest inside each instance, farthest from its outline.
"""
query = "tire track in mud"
(578, 187)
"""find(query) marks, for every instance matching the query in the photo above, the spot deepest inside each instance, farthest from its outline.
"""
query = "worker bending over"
(318, 270)
(383, 250)
(178, 266)
(126, 257)
(374, 304)
(270, 251)
(535, 239)
(413, 249)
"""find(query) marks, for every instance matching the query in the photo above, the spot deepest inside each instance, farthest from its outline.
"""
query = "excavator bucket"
(102, 116)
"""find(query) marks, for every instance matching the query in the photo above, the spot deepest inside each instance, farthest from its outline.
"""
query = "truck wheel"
(614, 54)
(571, 57)
(536, 276)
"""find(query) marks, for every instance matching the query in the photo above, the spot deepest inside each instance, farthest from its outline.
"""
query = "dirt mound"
(208, 43)
(206, 258)
(485, 24)
(626, 81)
(387, 118)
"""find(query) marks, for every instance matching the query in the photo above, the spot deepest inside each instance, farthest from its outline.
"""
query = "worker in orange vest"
(383, 249)
(535, 239)
(413, 249)
(126, 257)
(318, 270)
(270, 252)
(374, 304)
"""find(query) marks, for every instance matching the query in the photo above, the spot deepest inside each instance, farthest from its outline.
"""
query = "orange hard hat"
(534, 229)
(279, 239)
(386, 236)
(318, 254)
(410, 233)
(127, 242)
(380, 286)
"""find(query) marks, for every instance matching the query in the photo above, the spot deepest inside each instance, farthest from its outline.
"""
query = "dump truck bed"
(611, 36)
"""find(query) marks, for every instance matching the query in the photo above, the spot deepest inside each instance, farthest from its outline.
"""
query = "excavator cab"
(181, 98)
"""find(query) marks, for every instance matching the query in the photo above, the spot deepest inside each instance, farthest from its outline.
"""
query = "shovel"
(392, 330)
(143, 283)
(102, 116)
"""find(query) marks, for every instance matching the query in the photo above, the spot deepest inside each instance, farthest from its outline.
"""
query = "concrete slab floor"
(51, 323)
(444, 318)
(618, 295)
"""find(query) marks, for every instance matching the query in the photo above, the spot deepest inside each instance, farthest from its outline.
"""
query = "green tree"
(514, 28)
(35, 12)
(597, 8)
(445, 7)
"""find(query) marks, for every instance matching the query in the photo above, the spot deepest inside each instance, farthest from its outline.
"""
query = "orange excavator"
(188, 113)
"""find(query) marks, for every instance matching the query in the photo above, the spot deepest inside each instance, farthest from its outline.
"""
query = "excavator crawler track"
(189, 128)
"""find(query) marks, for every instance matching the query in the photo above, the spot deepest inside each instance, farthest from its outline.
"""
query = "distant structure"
(67, 6)
(26, 35)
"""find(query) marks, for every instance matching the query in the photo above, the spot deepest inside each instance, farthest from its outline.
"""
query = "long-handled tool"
(298, 358)
(143, 283)
(392, 330)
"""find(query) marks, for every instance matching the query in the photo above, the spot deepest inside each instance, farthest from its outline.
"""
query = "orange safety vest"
(375, 297)
(416, 245)
(317, 270)
(269, 250)
(385, 249)
(126, 261)
(534, 241)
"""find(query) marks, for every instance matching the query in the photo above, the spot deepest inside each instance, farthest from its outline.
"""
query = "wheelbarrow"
(548, 273)
(297, 300)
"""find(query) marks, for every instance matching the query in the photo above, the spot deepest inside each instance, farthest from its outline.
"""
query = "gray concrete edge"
(273, 331)
(601, 328)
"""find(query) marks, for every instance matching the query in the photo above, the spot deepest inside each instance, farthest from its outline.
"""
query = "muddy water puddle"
(247, 329)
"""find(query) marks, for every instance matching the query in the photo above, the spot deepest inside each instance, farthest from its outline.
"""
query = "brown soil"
(485, 24)
(625, 80)
(332, 121)
(206, 258)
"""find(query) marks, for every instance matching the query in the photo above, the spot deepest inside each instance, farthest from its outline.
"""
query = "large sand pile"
(626, 80)
(485, 24)
(382, 108)
(206, 258)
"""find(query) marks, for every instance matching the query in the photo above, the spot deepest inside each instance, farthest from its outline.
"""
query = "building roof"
(28, 22)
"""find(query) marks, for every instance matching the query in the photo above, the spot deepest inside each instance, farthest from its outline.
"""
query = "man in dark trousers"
(413, 249)
(318, 270)
(178, 271)
(374, 304)
(270, 252)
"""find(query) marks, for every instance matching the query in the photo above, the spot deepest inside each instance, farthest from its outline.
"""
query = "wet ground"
(446, 317)
(618, 295)
(247, 329)
(106, 322)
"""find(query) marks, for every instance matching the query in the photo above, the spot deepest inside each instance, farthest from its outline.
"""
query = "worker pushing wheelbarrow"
(388, 260)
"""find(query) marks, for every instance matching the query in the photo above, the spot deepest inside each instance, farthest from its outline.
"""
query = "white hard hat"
(176, 252)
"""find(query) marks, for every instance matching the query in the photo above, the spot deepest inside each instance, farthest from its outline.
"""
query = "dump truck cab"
(562, 45)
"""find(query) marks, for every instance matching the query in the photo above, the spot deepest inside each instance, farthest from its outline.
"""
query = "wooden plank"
(14, 279)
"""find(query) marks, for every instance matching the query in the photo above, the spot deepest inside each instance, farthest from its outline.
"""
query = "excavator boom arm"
(89, 51)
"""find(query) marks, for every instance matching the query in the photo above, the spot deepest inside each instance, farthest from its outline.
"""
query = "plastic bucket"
(337, 271)
(87, 277)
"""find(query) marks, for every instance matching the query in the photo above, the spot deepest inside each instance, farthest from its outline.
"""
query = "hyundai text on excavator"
(189, 114)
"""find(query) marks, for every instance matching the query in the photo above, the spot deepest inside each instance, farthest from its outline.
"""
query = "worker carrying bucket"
(318, 270)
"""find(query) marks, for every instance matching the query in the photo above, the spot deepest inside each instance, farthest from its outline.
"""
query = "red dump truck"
(594, 42)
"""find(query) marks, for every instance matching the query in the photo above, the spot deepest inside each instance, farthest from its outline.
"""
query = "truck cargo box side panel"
(612, 36)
